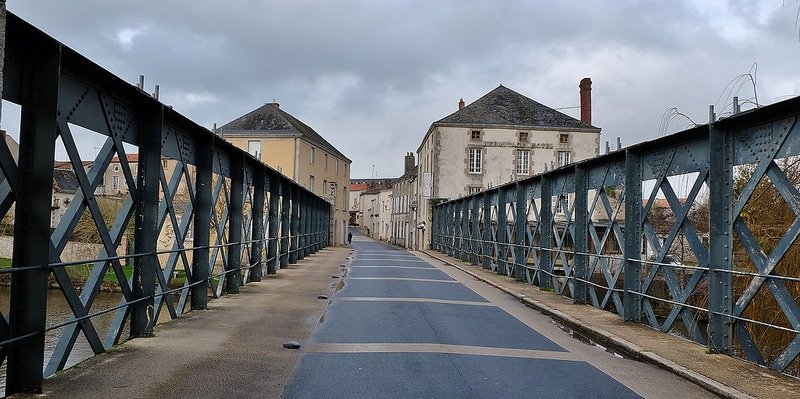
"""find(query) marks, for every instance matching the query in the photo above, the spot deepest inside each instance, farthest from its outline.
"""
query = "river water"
(58, 311)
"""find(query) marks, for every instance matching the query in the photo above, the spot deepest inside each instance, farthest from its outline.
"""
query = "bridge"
(247, 265)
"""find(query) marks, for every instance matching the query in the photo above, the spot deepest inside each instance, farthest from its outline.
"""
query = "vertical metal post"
(327, 221)
(302, 206)
(295, 221)
(520, 220)
(284, 254)
(28, 307)
(204, 155)
(502, 231)
(465, 228)
(272, 244)
(305, 224)
(435, 211)
(312, 227)
(447, 225)
(457, 229)
(146, 223)
(581, 238)
(318, 224)
(487, 230)
(473, 231)
(234, 278)
(257, 236)
(721, 218)
(633, 236)
(546, 231)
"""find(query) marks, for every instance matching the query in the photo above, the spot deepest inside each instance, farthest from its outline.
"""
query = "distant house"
(404, 203)
(354, 195)
(65, 185)
(293, 148)
(501, 137)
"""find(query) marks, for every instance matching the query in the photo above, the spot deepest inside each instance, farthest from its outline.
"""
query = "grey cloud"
(372, 75)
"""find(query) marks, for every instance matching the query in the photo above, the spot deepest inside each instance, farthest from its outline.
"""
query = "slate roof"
(270, 121)
(505, 107)
(65, 181)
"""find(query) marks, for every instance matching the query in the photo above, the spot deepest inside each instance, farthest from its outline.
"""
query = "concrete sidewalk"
(234, 349)
(723, 375)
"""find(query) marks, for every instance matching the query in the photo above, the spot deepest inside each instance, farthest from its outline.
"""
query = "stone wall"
(74, 251)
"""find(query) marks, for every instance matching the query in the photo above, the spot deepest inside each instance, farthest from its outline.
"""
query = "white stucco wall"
(445, 154)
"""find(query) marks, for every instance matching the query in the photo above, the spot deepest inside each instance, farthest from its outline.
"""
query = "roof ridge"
(504, 106)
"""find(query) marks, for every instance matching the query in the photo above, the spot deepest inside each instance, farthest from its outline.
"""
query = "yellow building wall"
(292, 157)
(278, 153)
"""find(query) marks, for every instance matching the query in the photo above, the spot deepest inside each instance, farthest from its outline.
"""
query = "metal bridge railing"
(693, 234)
(187, 201)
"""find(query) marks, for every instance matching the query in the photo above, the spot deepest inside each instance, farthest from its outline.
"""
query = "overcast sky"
(371, 76)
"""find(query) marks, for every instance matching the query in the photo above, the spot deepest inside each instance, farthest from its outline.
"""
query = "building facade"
(293, 148)
(404, 204)
(501, 137)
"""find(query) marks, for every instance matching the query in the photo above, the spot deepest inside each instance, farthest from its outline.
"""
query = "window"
(475, 160)
(563, 138)
(311, 182)
(474, 190)
(164, 163)
(562, 204)
(254, 148)
(523, 162)
(523, 136)
(337, 167)
(476, 135)
(116, 167)
(114, 182)
(312, 155)
(325, 164)
(564, 158)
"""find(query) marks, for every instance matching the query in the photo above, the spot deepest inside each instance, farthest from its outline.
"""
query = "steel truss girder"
(58, 89)
(515, 221)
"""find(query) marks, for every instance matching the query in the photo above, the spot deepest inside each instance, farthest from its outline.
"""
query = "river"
(58, 311)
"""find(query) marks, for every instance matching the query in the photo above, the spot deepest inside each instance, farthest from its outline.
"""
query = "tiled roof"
(358, 187)
(270, 120)
(505, 107)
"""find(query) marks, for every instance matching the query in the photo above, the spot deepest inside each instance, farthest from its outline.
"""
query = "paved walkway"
(403, 327)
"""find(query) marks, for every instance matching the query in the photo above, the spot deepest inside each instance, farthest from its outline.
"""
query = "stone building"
(404, 205)
(293, 148)
(501, 137)
(375, 211)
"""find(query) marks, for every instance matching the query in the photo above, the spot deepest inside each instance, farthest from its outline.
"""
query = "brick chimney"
(411, 163)
(586, 100)
(461, 104)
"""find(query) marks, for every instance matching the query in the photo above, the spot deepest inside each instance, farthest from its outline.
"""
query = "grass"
(82, 271)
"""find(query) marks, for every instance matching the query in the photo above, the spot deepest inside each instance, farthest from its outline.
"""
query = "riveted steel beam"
(233, 266)
(257, 236)
(285, 209)
(38, 127)
(633, 236)
(204, 155)
(146, 223)
(274, 222)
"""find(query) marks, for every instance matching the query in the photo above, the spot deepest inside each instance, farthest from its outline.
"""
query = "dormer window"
(523, 136)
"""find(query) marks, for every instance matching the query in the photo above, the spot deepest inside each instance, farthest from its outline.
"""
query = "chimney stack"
(461, 104)
(411, 163)
(586, 100)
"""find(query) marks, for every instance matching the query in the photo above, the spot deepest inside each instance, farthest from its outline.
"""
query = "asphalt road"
(407, 327)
